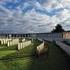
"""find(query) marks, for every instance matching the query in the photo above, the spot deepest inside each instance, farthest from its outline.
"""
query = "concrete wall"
(50, 36)
(23, 44)
(12, 42)
(66, 35)
(4, 40)
(65, 47)
(23, 40)
(40, 48)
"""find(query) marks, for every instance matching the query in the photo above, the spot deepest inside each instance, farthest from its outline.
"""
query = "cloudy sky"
(31, 16)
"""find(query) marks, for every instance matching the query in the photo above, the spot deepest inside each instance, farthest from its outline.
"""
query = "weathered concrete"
(23, 40)
(4, 41)
(65, 47)
(12, 42)
(1, 41)
(23, 44)
(42, 48)
(66, 35)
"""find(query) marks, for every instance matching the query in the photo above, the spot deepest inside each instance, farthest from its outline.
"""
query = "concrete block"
(22, 45)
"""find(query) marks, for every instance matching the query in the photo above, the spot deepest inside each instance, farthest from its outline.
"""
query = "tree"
(58, 29)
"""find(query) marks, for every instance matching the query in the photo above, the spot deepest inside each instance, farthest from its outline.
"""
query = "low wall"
(4, 41)
(42, 48)
(65, 47)
(66, 35)
(10, 41)
(23, 44)
(23, 40)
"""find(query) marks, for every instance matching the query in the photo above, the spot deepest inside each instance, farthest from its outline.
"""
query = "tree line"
(58, 29)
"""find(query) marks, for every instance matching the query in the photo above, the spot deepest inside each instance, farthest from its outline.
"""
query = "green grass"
(5, 53)
(18, 64)
(56, 59)
(5, 47)
(27, 51)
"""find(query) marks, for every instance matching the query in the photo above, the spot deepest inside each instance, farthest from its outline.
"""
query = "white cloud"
(33, 21)
(65, 3)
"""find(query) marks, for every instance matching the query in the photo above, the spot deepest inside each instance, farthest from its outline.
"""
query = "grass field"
(16, 60)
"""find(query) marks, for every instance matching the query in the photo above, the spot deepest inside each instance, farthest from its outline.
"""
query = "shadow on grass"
(57, 60)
